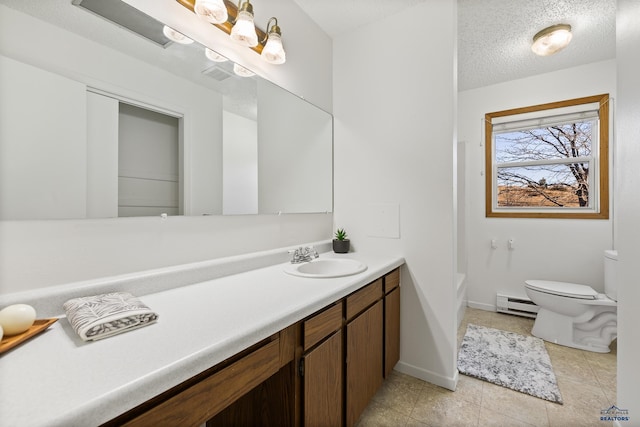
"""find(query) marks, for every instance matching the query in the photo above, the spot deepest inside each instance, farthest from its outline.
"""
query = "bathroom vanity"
(260, 347)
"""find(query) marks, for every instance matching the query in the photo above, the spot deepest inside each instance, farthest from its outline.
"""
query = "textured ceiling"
(494, 36)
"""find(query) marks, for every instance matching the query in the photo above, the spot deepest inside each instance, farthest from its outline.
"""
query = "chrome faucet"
(305, 254)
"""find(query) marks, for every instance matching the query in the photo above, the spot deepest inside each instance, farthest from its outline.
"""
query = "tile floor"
(587, 382)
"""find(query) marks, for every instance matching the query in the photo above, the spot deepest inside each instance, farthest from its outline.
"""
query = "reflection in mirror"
(148, 147)
(237, 145)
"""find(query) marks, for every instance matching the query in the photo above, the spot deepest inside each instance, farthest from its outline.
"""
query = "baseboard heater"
(516, 305)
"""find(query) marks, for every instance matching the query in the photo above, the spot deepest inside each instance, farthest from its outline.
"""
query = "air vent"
(127, 17)
(516, 305)
(217, 73)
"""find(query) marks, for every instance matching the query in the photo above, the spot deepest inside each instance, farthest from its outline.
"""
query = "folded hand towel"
(101, 316)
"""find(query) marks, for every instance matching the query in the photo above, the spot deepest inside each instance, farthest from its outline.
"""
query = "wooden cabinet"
(372, 342)
(321, 371)
(323, 383)
(199, 402)
(364, 361)
(363, 298)
(391, 321)
(321, 368)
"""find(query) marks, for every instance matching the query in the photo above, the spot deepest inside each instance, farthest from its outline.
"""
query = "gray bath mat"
(508, 359)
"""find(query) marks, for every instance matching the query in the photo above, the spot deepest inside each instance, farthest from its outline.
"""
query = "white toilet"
(576, 315)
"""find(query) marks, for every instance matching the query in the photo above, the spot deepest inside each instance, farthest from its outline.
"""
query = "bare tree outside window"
(549, 160)
(539, 184)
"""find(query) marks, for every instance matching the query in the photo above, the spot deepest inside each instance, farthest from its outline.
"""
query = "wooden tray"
(38, 326)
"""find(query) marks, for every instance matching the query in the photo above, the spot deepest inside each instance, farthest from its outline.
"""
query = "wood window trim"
(603, 160)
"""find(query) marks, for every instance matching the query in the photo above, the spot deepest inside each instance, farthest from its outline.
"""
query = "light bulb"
(244, 30)
(273, 52)
(241, 71)
(214, 56)
(175, 36)
(213, 11)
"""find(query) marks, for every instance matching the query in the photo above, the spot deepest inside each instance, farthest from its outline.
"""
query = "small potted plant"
(341, 242)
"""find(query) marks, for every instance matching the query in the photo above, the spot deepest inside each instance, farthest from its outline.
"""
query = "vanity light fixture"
(273, 52)
(551, 40)
(240, 26)
(214, 56)
(175, 36)
(213, 11)
(244, 30)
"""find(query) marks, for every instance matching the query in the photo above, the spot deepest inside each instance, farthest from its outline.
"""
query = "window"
(549, 160)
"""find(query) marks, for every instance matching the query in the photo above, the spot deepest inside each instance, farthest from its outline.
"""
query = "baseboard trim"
(449, 383)
(481, 306)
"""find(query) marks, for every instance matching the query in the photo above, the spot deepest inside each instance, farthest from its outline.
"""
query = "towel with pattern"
(105, 315)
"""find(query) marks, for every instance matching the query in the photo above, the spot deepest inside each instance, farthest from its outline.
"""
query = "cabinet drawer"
(322, 325)
(203, 400)
(363, 298)
(392, 281)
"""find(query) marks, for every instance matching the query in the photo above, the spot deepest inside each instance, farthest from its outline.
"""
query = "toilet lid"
(571, 290)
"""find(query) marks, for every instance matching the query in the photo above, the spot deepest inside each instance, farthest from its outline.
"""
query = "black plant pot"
(341, 246)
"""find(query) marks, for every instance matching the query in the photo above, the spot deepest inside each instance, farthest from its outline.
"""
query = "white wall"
(394, 104)
(240, 165)
(627, 232)
(295, 154)
(102, 145)
(555, 249)
(42, 143)
(36, 254)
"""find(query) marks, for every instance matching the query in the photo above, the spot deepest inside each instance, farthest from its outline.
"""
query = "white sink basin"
(325, 268)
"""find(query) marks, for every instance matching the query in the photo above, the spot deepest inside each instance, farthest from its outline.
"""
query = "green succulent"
(341, 234)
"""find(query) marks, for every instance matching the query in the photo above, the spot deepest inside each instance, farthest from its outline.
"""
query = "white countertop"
(56, 379)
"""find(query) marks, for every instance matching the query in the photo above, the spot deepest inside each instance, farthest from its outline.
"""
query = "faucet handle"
(311, 251)
(296, 255)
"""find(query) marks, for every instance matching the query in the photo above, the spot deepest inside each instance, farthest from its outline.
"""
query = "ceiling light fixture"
(239, 24)
(175, 36)
(551, 39)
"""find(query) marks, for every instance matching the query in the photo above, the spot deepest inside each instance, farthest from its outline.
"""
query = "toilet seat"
(565, 289)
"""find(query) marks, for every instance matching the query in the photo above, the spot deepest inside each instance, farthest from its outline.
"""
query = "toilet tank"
(611, 274)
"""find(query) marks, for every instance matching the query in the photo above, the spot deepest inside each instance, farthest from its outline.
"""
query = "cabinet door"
(391, 330)
(364, 360)
(208, 397)
(323, 383)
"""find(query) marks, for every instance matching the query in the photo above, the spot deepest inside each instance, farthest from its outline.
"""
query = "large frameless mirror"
(99, 122)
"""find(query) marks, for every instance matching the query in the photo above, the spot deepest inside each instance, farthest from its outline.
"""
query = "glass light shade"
(244, 31)
(175, 36)
(213, 11)
(214, 56)
(241, 71)
(273, 51)
(551, 40)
